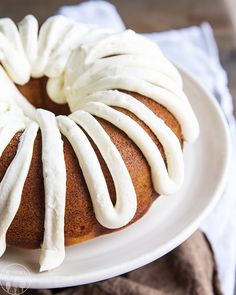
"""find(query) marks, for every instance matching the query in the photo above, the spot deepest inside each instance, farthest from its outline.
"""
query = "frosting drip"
(54, 174)
(126, 201)
(163, 183)
(85, 66)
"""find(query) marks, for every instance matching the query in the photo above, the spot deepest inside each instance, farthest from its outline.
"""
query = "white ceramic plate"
(169, 222)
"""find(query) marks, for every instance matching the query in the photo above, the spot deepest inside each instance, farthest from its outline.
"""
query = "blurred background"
(154, 16)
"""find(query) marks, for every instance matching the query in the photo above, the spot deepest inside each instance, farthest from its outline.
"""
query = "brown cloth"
(189, 269)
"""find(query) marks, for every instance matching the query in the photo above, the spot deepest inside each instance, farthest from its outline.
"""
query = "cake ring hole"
(36, 93)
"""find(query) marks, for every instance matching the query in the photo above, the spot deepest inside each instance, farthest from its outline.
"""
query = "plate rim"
(60, 281)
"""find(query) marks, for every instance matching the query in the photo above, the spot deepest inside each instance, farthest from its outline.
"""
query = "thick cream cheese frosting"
(87, 67)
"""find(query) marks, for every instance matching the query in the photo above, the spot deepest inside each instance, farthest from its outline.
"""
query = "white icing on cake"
(126, 201)
(54, 174)
(163, 183)
(85, 66)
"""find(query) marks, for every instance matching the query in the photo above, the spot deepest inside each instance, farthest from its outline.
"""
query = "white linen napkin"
(198, 44)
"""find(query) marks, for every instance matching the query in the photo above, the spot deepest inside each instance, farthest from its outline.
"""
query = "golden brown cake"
(103, 74)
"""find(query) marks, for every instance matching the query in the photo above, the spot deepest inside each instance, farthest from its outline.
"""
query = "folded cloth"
(198, 44)
(190, 269)
(99, 13)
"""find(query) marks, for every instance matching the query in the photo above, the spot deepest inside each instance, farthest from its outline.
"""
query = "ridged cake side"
(27, 228)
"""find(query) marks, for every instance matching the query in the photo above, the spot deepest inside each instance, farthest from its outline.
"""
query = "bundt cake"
(92, 124)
